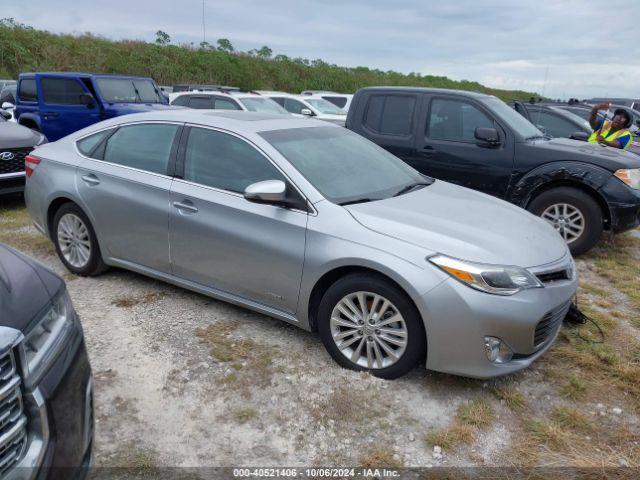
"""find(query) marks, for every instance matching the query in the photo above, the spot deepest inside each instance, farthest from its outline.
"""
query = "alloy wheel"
(369, 330)
(74, 240)
(566, 219)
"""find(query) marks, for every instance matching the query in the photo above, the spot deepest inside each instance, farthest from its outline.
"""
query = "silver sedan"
(312, 224)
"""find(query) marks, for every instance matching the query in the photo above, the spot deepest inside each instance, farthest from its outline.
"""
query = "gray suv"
(310, 223)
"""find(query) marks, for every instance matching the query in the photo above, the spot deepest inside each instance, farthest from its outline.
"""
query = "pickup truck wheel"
(573, 213)
(76, 242)
(367, 323)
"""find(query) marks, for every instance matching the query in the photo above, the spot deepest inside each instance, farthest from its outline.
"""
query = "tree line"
(23, 49)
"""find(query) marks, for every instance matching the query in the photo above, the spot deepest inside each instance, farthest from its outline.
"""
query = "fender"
(584, 173)
(34, 117)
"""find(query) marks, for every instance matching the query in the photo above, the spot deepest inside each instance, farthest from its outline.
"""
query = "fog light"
(497, 351)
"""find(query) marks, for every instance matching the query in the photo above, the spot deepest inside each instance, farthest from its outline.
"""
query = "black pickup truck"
(478, 141)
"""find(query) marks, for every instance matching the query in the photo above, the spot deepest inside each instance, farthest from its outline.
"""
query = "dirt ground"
(185, 380)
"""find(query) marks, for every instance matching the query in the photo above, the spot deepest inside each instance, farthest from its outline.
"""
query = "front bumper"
(61, 424)
(12, 183)
(624, 205)
(457, 318)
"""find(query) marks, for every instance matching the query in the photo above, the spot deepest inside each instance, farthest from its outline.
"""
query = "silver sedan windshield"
(342, 165)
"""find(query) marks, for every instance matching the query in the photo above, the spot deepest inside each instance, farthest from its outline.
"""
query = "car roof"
(80, 74)
(233, 120)
(466, 93)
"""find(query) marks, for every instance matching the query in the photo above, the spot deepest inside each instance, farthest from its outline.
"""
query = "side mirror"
(306, 112)
(582, 136)
(87, 100)
(7, 105)
(268, 191)
(6, 115)
(487, 135)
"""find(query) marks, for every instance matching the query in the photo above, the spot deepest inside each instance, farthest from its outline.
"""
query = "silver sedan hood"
(465, 224)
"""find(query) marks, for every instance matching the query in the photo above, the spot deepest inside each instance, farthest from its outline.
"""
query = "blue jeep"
(57, 104)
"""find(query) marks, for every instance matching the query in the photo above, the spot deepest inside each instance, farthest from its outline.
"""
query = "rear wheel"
(76, 242)
(573, 213)
(368, 323)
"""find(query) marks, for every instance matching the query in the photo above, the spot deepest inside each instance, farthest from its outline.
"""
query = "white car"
(223, 100)
(311, 106)
(340, 100)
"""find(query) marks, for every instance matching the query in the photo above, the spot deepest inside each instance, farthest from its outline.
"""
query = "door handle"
(49, 115)
(427, 151)
(90, 179)
(186, 206)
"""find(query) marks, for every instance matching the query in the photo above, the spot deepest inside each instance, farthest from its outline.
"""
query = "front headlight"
(630, 176)
(496, 279)
(46, 338)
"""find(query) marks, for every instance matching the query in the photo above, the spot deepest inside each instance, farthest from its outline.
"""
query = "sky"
(558, 48)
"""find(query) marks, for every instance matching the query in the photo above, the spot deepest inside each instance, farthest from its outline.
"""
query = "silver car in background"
(312, 224)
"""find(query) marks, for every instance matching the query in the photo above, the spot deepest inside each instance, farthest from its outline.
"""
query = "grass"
(451, 436)
(469, 419)
(510, 396)
(345, 404)
(571, 418)
(252, 362)
(575, 389)
(379, 457)
(477, 413)
(245, 414)
(129, 301)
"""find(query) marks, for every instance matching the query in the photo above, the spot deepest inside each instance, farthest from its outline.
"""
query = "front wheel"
(573, 213)
(368, 323)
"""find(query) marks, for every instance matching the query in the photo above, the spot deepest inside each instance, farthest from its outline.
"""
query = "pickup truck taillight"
(30, 164)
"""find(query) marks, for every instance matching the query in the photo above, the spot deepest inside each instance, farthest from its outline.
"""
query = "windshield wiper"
(411, 186)
(536, 137)
(357, 200)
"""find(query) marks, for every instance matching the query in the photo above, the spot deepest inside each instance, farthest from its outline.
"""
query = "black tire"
(585, 203)
(95, 265)
(416, 344)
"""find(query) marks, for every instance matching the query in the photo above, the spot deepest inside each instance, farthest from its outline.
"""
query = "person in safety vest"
(615, 132)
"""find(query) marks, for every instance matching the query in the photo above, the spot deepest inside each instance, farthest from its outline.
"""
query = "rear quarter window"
(87, 145)
(27, 91)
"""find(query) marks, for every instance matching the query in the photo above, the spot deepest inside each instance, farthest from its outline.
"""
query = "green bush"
(24, 49)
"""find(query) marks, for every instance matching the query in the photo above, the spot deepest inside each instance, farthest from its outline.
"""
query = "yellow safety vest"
(604, 131)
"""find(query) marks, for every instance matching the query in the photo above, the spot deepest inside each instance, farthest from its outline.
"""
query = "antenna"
(544, 87)
(203, 26)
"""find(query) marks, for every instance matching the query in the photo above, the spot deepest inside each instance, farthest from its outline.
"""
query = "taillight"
(30, 164)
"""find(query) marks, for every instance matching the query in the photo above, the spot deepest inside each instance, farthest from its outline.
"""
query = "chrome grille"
(15, 163)
(13, 422)
(547, 327)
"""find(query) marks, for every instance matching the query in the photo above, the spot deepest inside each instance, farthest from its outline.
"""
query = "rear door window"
(27, 91)
(455, 120)
(553, 124)
(145, 147)
(294, 106)
(390, 114)
(61, 91)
